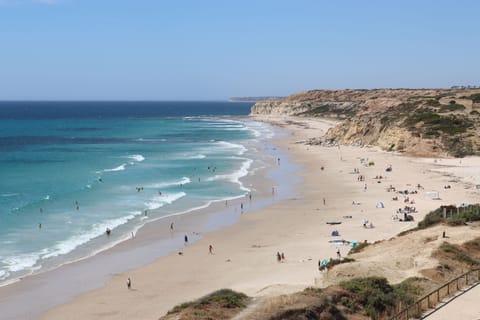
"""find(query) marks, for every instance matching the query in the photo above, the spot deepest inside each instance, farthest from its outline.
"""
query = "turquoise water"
(69, 171)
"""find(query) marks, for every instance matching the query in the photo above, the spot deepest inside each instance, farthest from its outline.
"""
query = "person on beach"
(339, 255)
(108, 231)
(324, 203)
(129, 283)
(279, 257)
(171, 227)
(210, 249)
(365, 221)
(365, 187)
(185, 239)
(241, 207)
(283, 257)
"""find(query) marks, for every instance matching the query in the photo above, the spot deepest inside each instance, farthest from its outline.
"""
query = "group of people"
(280, 257)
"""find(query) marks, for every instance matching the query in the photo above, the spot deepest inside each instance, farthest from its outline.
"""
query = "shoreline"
(244, 258)
(147, 245)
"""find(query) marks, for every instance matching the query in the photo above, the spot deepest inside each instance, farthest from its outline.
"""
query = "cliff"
(423, 122)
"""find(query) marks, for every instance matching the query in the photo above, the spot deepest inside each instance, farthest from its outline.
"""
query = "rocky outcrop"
(423, 122)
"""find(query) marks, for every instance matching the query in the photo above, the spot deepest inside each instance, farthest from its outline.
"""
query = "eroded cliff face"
(418, 122)
(279, 107)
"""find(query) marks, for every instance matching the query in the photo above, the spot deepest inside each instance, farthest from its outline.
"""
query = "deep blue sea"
(69, 170)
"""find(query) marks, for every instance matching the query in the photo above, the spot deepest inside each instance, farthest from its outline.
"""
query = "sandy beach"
(330, 197)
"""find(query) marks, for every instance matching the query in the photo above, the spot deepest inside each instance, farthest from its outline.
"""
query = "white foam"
(260, 129)
(150, 140)
(136, 157)
(20, 261)
(98, 229)
(184, 180)
(229, 146)
(10, 194)
(119, 168)
(236, 175)
(198, 156)
(47, 197)
(3, 274)
(159, 201)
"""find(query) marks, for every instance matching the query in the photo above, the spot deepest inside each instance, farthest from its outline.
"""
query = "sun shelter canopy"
(433, 195)
(380, 205)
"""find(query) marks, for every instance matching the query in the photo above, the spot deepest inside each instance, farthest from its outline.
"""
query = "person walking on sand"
(186, 239)
(279, 257)
(171, 227)
(210, 249)
(339, 256)
(129, 283)
(283, 257)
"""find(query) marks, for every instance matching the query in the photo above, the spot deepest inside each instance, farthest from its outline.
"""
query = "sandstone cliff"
(423, 122)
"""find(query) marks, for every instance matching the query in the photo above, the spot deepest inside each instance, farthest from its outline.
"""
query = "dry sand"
(244, 256)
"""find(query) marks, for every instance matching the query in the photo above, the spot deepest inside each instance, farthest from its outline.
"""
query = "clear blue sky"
(209, 50)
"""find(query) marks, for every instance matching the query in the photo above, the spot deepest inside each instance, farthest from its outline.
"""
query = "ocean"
(70, 170)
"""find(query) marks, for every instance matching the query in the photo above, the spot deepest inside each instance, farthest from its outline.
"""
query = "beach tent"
(380, 205)
(434, 195)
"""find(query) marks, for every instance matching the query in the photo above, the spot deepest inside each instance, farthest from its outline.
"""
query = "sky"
(213, 50)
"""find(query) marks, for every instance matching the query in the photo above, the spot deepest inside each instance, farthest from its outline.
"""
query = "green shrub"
(433, 103)
(475, 97)
(377, 296)
(226, 298)
(456, 221)
(359, 247)
(432, 218)
(458, 254)
(452, 107)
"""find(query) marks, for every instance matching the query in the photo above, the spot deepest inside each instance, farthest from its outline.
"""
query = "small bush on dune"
(377, 296)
